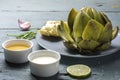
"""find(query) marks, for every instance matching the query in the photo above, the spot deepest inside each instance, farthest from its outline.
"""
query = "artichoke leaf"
(89, 12)
(80, 22)
(70, 45)
(100, 19)
(71, 18)
(106, 34)
(104, 16)
(104, 46)
(88, 44)
(66, 27)
(97, 16)
(92, 30)
(115, 32)
(104, 19)
(95, 13)
(85, 8)
(64, 32)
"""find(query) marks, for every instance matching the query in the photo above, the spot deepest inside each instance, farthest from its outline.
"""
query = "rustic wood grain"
(38, 19)
(37, 12)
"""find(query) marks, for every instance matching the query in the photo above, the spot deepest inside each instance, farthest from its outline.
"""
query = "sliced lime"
(79, 70)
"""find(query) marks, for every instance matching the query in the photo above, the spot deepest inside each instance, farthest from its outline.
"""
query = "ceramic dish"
(17, 53)
(57, 45)
(44, 63)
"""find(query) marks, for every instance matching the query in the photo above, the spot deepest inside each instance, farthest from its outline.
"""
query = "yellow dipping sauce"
(17, 47)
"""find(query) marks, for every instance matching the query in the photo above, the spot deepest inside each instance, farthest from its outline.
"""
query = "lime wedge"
(79, 70)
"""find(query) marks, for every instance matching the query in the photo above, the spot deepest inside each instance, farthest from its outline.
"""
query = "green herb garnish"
(27, 35)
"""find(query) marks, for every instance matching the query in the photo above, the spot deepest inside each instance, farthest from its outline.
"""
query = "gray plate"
(57, 45)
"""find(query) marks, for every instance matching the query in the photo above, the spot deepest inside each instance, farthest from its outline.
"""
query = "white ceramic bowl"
(44, 68)
(17, 56)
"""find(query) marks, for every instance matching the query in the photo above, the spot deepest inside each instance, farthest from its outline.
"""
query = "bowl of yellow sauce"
(17, 50)
(17, 47)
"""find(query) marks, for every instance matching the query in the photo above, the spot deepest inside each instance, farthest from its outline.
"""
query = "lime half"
(79, 70)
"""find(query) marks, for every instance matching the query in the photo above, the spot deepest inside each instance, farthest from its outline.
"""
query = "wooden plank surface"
(38, 19)
(105, 68)
(37, 12)
(57, 5)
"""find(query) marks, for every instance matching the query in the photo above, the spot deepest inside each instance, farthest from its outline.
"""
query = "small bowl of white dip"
(44, 63)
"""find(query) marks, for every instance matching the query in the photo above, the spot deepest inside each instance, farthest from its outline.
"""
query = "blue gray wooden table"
(40, 11)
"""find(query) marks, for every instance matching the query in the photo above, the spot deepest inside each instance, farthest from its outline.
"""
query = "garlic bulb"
(24, 26)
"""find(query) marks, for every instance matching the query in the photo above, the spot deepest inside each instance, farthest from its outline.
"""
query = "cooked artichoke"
(87, 30)
(50, 29)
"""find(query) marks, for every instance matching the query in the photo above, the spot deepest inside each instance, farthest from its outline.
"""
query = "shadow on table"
(55, 77)
(91, 61)
(22, 65)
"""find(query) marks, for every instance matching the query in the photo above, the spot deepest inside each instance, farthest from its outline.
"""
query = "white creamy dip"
(44, 60)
